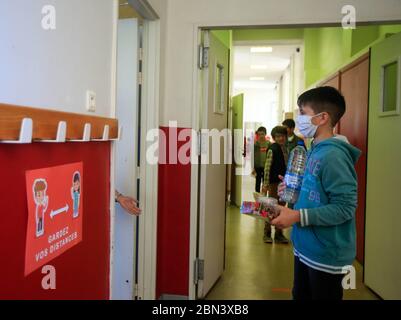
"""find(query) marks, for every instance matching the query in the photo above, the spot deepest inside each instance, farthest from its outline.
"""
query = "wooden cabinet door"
(354, 125)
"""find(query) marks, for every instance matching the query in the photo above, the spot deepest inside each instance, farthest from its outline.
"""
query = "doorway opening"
(133, 238)
(268, 70)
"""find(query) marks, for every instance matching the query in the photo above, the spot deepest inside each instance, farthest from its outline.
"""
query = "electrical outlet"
(91, 101)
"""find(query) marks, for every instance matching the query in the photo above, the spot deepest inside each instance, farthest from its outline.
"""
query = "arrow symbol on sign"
(55, 213)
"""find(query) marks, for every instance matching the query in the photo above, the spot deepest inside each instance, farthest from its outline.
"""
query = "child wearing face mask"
(275, 166)
(323, 221)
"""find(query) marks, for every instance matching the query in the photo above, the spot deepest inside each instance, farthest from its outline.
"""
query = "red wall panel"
(174, 200)
(83, 271)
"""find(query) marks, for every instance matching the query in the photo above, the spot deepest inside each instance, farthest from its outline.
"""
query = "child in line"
(275, 165)
(293, 139)
(259, 159)
(324, 217)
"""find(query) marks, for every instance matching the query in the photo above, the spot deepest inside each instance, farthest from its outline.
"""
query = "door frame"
(196, 116)
(198, 98)
(148, 174)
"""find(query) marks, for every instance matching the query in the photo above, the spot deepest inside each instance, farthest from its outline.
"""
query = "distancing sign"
(55, 212)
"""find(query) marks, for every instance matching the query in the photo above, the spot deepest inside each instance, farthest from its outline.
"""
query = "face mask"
(306, 127)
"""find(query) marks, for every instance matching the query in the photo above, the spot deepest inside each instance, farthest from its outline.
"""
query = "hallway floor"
(259, 271)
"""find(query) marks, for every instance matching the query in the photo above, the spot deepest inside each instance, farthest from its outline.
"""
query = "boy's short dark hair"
(279, 130)
(325, 99)
(262, 129)
(289, 123)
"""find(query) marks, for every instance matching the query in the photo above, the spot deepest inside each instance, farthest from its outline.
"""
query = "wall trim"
(113, 103)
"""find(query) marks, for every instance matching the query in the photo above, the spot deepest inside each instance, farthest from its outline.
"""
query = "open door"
(124, 251)
(383, 201)
(212, 204)
(238, 124)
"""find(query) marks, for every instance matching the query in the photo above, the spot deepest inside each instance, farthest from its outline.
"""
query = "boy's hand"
(286, 218)
(254, 172)
(281, 187)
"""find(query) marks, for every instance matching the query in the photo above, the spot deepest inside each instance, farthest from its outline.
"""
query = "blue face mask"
(305, 125)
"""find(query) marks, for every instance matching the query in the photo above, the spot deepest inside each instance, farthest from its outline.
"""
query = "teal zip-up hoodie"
(325, 239)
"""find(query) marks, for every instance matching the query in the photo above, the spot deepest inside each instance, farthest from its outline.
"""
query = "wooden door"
(354, 85)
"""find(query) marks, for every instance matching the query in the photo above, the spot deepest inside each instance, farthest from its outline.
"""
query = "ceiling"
(275, 62)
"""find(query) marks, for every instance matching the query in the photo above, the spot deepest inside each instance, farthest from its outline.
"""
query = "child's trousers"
(311, 284)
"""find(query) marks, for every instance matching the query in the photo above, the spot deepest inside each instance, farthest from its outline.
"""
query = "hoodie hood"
(353, 152)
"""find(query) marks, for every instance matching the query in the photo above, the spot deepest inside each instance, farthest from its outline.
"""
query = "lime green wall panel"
(385, 30)
(363, 36)
(268, 34)
(225, 36)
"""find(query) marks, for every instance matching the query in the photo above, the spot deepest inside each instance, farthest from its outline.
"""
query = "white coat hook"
(61, 133)
(120, 131)
(26, 132)
(106, 133)
(86, 135)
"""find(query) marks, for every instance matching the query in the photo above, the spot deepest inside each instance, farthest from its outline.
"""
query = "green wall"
(267, 34)
(328, 49)
(225, 36)
(363, 36)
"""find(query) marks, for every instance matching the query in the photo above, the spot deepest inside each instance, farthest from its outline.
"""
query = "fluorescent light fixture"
(261, 49)
(257, 78)
(259, 67)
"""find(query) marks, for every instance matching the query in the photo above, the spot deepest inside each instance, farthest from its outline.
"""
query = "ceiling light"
(261, 49)
(257, 78)
(259, 67)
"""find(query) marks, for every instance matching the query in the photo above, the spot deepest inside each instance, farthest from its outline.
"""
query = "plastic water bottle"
(295, 174)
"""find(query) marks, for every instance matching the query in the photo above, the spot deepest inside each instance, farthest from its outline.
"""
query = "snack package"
(265, 208)
(249, 207)
(268, 208)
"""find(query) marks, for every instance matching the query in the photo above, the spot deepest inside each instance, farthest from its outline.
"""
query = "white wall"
(260, 106)
(299, 76)
(54, 69)
(179, 17)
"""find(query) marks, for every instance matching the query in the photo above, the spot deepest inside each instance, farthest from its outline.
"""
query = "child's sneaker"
(267, 239)
(280, 238)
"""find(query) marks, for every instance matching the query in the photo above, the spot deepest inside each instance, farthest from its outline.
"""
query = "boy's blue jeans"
(311, 284)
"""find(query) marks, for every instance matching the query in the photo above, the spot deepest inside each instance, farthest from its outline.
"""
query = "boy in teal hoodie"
(323, 221)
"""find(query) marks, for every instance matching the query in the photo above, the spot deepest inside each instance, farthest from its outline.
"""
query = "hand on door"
(129, 204)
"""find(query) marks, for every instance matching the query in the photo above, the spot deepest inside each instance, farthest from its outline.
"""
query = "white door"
(125, 225)
(212, 206)
(383, 201)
